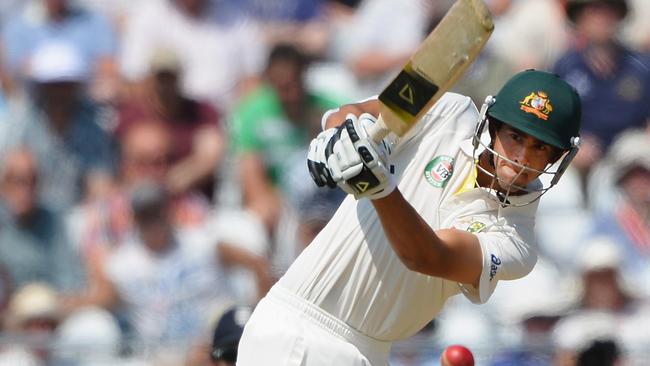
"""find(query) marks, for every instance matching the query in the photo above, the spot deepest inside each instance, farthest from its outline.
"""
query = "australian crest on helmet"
(538, 104)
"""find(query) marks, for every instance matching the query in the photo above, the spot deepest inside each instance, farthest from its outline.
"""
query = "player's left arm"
(335, 118)
(447, 253)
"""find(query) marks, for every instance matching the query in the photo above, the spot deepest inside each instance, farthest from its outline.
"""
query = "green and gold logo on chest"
(476, 227)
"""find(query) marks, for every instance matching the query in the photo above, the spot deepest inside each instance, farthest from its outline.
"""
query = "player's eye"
(515, 136)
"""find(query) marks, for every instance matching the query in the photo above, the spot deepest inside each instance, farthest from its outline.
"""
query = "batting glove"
(357, 164)
(317, 157)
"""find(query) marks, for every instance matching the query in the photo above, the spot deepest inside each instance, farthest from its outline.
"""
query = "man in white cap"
(33, 314)
(606, 309)
(37, 22)
(622, 185)
(60, 124)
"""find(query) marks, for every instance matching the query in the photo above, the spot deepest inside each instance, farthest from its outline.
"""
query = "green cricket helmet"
(541, 105)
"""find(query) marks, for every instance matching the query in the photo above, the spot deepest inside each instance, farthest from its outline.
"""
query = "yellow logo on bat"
(362, 186)
(407, 93)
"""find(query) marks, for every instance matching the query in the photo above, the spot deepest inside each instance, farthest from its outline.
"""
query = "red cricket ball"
(457, 355)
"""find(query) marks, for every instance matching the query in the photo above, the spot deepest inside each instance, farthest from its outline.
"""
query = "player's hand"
(357, 164)
(319, 149)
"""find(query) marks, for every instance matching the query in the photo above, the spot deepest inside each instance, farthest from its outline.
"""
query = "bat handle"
(378, 130)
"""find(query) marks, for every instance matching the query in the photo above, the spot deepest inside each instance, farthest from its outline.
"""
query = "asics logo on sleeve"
(494, 266)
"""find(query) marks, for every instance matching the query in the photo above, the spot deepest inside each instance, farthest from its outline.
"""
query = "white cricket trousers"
(286, 330)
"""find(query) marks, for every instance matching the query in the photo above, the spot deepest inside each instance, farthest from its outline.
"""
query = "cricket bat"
(438, 63)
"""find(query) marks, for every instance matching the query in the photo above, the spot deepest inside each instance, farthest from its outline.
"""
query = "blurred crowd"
(153, 183)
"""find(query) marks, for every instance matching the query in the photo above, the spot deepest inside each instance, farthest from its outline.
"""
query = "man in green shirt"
(271, 125)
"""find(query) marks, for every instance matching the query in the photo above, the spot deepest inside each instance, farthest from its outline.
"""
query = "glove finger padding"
(359, 162)
(344, 162)
(317, 158)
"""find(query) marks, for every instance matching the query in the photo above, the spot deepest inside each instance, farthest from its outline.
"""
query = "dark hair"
(599, 353)
(225, 353)
(574, 7)
(228, 332)
(288, 53)
(494, 124)
(149, 202)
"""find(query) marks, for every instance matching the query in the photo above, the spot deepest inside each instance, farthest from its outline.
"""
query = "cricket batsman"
(447, 209)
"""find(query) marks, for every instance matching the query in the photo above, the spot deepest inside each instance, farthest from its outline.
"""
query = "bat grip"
(378, 130)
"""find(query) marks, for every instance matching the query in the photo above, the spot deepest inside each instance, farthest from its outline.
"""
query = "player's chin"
(507, 188)
(513, 183)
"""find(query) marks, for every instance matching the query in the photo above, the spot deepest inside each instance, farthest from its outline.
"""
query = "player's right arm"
(452, 254)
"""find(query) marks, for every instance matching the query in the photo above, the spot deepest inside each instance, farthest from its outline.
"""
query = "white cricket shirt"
(351, 271)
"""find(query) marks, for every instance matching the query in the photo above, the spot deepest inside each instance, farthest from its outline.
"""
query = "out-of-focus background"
(152, 172)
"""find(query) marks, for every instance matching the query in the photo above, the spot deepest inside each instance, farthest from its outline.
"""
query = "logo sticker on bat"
(408, 93)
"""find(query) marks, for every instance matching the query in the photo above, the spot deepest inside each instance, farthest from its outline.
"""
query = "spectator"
(117, 11)
(347, 3)
(510, 47)
(613, 81)
(226, 336)
(44, 21)
(34, 248)
(61, 126)
(34, 314)
(220, 49)
(286, 11)
(600, 353)
(170, 280)
(42, 331)
(563, 220)
(602, 286)
(18, 356)
(6, 290)
(302, 23)
(33, 242)
(524, 39)
(145, 151)
(100, 225)
(527, 310)
(637, 28)
(90, 337)
(8, 8)
(605, 309)
(272, 125)
(221, 349)
(621, 191)
(376, 57)
(198, 140)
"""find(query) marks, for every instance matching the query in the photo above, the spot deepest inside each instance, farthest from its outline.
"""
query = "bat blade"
(438, 63)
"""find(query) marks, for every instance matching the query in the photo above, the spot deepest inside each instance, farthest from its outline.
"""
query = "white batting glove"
(317, 157)
(359, 165)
